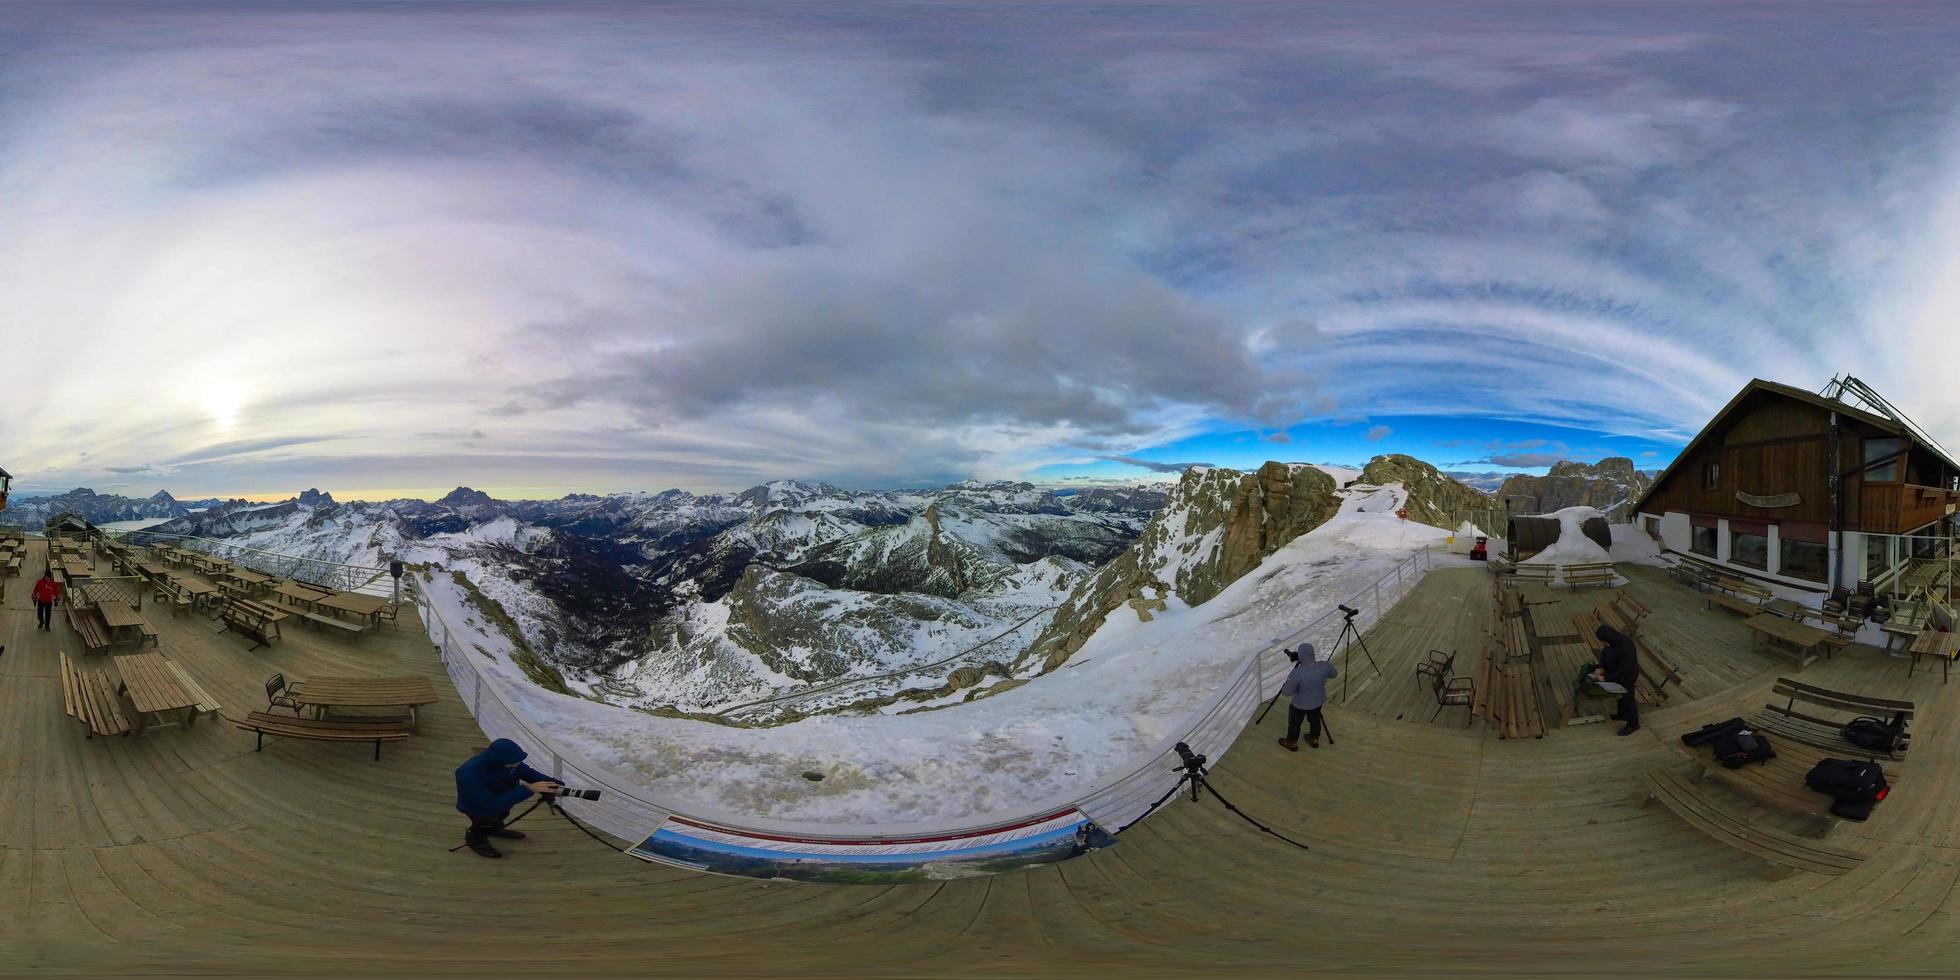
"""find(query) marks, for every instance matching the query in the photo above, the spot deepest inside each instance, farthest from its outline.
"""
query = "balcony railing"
(1896, 508)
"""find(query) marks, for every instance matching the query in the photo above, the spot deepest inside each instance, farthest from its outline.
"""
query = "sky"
(387, 249)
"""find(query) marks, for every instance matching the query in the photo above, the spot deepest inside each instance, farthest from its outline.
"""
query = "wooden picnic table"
(1786, 608)
(1536, 593)
(197, 589)
(363, 606)
(1933, 643)
(153, 689)
(300, 594)
(1801, 640)
(76, 569)
(411, 692)
(152, 570)
(246, 576)
(1548, 625)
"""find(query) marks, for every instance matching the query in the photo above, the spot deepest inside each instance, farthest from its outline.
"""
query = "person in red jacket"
(47, 592)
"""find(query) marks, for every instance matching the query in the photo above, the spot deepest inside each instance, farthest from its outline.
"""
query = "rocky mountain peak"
(1217, 525)
(466, 497)
(1434, 499)
(1610, 485)
(313, 497)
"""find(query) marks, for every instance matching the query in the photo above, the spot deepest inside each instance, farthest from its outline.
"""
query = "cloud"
(1644, 454)
(1280, 436)
(1153, 465)
(1526, 460)
(1377, 433)
(700, 246)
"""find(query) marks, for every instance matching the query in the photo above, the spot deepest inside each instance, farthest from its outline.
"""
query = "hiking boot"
(483, 848)
(1289, 746)
(507, 834)
(1313, 742)
(1629, 729)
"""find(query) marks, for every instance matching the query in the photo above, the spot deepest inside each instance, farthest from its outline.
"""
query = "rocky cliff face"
(1217, 525)
(1434, 499)
(1610, 485)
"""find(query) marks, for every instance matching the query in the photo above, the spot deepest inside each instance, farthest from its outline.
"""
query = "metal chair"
(280, 695)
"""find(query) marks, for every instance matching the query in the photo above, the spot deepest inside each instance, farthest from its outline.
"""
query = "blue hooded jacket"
(485, 787)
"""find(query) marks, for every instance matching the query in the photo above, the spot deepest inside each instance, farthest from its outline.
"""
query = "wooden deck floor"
(1434, 848)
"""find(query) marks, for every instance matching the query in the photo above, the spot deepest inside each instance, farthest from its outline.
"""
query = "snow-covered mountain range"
(97, 508)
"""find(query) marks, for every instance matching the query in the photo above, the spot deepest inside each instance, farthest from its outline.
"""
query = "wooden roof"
(1756, 385)
(1436, 848)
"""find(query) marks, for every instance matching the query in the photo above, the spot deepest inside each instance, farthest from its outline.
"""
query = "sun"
(223, 402)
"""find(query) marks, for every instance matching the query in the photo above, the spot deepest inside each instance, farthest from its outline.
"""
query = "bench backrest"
(1824, 697)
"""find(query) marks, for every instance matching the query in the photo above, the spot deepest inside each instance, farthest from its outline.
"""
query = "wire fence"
(625, 811)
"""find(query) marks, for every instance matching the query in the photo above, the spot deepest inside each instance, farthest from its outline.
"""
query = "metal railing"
(625, 812)
(338, 576)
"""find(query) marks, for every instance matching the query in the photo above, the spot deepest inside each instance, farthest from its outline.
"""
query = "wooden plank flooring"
(1435, 847)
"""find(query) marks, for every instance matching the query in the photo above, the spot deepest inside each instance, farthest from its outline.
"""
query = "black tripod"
(551, 800)
(1194, 773)
(1351, 638)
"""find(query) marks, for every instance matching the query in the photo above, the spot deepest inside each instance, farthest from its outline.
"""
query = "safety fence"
(625, 812)
(341, 577)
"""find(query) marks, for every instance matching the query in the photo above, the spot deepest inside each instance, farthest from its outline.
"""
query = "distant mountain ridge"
(1610, 485)
(97, 508)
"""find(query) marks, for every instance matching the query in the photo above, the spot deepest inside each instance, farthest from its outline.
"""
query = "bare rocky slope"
(1610, 486)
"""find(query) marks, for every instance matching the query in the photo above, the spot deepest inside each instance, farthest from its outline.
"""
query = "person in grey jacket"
(1306, 685)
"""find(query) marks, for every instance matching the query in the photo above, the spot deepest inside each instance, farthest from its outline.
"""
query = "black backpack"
(1854, 787)
(1739, 748)
(1870, 733)
(1709, 733)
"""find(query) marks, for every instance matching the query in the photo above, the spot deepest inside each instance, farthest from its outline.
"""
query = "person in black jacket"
(1619, 662)
(488, 785)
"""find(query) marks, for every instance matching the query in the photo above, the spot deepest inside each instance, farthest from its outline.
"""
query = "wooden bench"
(1786, 721)
(89, 697)
(1533, 573)
(322, 620)
(1589, 573)
(1734, 586)
(1778, 783)
(322, 730)
(1516, 645)
(1784, 852)
(1733, 603)
(88, 626)
(1561, 666)
(248, 622)
(167, 591)
(206, 704)
(1516, 709)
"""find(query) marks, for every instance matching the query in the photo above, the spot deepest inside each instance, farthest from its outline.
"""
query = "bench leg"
(377, 750)
(261, 747)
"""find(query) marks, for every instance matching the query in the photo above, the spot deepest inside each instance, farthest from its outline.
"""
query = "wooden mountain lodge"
(1813, 490)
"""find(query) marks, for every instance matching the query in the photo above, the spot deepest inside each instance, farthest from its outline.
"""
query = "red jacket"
(47, 591)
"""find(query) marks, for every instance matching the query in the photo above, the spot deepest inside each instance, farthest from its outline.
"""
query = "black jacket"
(1618, 658)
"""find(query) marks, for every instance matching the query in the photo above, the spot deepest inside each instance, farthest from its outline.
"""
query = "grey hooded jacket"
(1307, 684)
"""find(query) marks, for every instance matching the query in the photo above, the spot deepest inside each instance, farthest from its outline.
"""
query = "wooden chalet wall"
(1771, 444)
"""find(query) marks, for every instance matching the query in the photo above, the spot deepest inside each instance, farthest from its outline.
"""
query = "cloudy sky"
(380, 249)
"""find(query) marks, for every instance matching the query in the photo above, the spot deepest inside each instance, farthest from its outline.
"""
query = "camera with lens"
(1193, 762)
(564, 793)
(1348, 613)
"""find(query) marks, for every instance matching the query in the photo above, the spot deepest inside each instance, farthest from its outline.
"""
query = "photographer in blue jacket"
(487, 786)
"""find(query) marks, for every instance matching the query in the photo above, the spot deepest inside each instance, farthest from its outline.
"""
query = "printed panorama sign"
(1770, 500)
(688, 843)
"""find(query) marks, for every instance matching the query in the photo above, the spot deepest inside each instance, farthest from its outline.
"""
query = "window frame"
(1735, 556)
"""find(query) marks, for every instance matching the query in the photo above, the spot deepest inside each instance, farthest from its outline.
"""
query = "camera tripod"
(551, 800)
(1194, 772)
(1351, 638)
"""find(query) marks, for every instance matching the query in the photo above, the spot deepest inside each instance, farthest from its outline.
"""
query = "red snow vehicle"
(1478, 552)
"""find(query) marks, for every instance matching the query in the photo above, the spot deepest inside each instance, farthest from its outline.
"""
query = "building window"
(1805, 559)
(1886, 449)
(1749, 549)
(1703, 542)
(1878, 556)
(1652, 525)
(1711, 476)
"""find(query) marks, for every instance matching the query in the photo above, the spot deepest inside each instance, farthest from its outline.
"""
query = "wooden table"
(300, 594)
(152, 570)
(1536, 593)
(1786, 608)
(153, 689)
(251, 580)
(1548, 625)
(1933, 643)
(75, 569)
(411, 692)
(1802, 640)
(353, 602)
(117, 615)
(198, 591)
